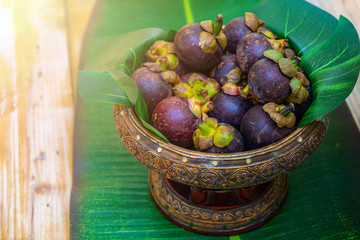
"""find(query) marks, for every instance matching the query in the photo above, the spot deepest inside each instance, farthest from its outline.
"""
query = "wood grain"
(36, 122)
(78, 15)
(40, 46)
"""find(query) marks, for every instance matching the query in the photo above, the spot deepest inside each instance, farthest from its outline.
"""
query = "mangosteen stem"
(287, 109)
(218, 25)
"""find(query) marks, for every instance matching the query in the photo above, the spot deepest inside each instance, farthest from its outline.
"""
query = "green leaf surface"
(101, 87)
(330, 85)
(333, 69)
(141, 109)
(340, 47)
(126, 83)
(299, 21)
(111, 51)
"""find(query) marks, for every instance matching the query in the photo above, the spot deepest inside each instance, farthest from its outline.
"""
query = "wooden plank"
(78, 15)
(350, 9)
(36, 124)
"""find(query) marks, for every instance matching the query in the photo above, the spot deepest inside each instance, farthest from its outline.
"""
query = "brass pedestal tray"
(173, 169)
(216, 220)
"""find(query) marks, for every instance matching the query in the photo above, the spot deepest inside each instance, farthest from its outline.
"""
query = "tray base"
(220, 219)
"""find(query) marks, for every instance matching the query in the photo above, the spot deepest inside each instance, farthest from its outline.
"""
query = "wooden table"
(40, 45)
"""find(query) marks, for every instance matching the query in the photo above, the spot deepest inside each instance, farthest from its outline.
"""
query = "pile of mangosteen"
(223, 88)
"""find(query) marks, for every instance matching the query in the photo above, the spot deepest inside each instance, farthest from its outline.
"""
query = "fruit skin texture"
(267, 83)
(174, 119)
(236, 145)
(250, 49)
(227, 63)
(149, 83)
(259, 130)
(235, 30)
(188, 50)
(229, 109)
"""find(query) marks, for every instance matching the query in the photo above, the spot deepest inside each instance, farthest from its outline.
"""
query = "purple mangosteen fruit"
(148, 83)
(200, 45)
(174, 118)
(250, 49)
(267, 83)
(229, 108)
(239, 27)
(259, 128)
(158, 49)
(234, 30)
(277, 79)
(227, 70)
(214, 137)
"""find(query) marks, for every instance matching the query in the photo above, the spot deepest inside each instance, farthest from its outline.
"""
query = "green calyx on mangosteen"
(167, 62)
(281, 114)
(175, 120)
(191, 76)
(158, 49)
(211, 35)
(200, 45)
(209, 133)
(227, 70)
(301, 108)
(197, 88)
(200, 109)
(236, 145)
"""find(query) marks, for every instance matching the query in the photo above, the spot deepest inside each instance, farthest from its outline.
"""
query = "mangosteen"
(227, 70)
(239, 27)
(148, 83)
(229, 108)
(276, 79)
(197, 88)
(158, 49)
(267, 83)
(200, 45)
(301, 108)
(167, 62)
(214, 137)
(174, 118)
(191, 76)
(236, 145)
(250, 49)
(259, 128)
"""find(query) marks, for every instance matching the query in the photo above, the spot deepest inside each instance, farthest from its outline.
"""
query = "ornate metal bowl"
(218, 171)
(213, 172)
